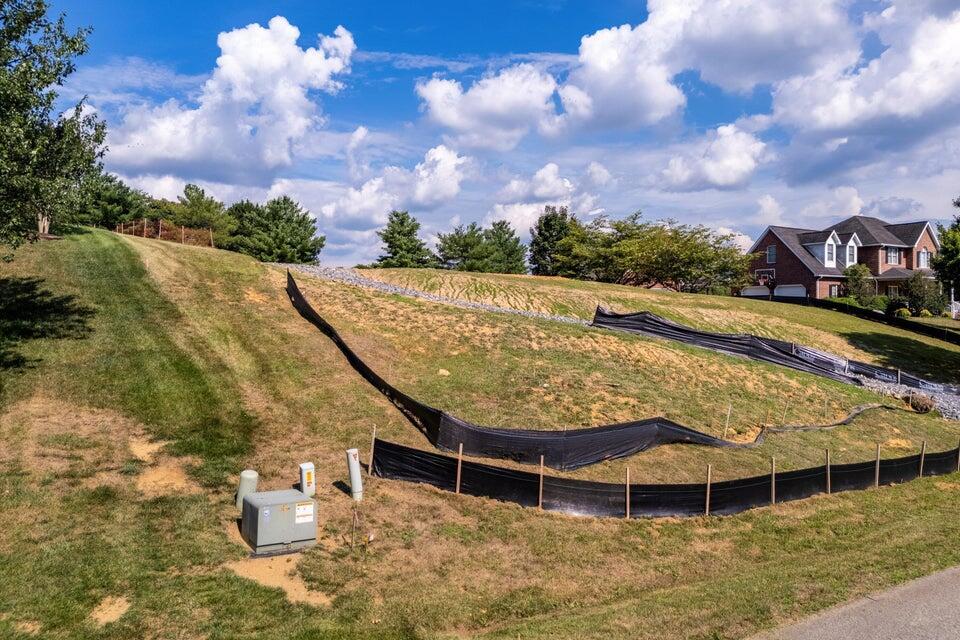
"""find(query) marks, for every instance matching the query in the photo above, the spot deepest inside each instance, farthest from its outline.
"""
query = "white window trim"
(774, 247)
(829, 248)
(896, 290)
(887, 256)
(852, 247)
(923, 258)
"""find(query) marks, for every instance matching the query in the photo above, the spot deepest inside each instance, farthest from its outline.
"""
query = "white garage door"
(790, 291)
(755, 292)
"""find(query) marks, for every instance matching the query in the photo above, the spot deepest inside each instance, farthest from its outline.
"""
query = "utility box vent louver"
(279, 521)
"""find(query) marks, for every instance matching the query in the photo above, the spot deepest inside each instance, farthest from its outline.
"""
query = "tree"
(105, 200)
(460, 248)
(44, 155)
(502, 251)
(403, 248)
(280, 231)
(631, 251)
(860, 284)
(553, 225)
(946, 264)
(921, 293)
(198, 210)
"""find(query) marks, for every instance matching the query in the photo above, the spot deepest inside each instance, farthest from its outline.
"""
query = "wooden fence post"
(898, 376)
(786, 404)
(160, 230)
(828, 471)
(459, 466)
(727, 426)
(923, 453)
(144, 227)
(211, 237)
(773, 480)
(540, 492)
(373, 443)
(706, 508)
(181, 234)
(627, 485)
(876, 470)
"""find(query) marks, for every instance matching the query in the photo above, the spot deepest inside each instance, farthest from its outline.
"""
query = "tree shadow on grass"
(910, 355)
(30, 312)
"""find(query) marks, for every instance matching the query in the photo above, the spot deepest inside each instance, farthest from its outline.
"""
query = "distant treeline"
(279, 230)
(632, 251)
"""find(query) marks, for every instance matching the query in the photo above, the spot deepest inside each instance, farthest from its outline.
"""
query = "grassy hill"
(139, 377)
(828, 330)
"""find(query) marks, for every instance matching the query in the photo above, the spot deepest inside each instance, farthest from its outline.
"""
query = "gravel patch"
(947, 404)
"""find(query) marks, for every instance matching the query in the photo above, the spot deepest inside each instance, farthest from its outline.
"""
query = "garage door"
(755, 292)
(790, 291)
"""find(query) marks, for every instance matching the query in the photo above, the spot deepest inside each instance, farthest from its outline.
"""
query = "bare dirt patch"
(144, 449)
(28, 627)
(165, 478)
(279, 572)
(109, 610)
(898, 443)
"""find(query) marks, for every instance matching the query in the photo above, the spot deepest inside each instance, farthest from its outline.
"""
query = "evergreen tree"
(455, 249)
(45, 153)
(403, 248)
(553, 225)
(502, 249)
(280, 231)
(106, 201)
(199, 211)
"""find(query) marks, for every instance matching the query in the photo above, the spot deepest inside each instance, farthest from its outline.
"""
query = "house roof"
(792, 238)
(910, 232)
(898, 273)
(872, 231)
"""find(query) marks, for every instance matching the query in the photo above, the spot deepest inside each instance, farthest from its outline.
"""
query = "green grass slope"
(830, 330)
(140, 376)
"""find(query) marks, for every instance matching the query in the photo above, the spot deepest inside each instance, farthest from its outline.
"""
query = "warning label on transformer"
(304, 512)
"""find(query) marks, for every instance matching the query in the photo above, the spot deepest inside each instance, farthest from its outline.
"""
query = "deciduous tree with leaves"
(553, 225)
(946, 263)
(44, 155)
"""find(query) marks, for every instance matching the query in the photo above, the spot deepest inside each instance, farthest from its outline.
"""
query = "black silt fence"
(603, 499)
(777, 352)
(565, 449)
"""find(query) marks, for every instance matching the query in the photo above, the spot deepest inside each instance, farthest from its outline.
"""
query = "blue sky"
(731, 113)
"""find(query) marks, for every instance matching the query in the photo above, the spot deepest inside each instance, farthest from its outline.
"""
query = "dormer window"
(831, 258)
(772, 254)
(851, 254)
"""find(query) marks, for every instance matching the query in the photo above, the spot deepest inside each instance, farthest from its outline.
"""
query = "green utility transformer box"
(278, 521)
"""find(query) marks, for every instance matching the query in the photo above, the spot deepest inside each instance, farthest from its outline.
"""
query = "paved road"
(925, 609)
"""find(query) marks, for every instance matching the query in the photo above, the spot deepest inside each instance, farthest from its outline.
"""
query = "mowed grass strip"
(820, 328)
(438, 565)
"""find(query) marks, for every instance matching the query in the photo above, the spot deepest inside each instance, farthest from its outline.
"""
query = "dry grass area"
(828, 330)
(236, 379)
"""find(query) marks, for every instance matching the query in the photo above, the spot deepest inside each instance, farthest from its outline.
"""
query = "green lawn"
(129, 340)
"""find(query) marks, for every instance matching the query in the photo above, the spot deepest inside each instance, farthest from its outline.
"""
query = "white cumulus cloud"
(250, 113)
(496, 111)
(726, 158)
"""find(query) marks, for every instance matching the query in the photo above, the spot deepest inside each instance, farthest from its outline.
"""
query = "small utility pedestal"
(279, 521)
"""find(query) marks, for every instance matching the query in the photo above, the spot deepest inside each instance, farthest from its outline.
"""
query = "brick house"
(807, 262)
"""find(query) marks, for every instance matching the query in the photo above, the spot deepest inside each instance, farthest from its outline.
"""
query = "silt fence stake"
(706, 508)
(540, 492)
(876, 469)
(459, 465)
